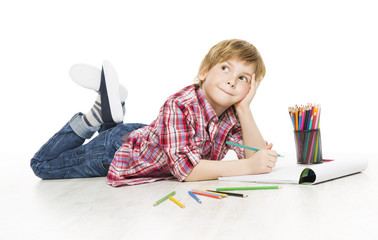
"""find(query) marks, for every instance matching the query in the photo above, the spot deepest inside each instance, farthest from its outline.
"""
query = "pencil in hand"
(249, 148)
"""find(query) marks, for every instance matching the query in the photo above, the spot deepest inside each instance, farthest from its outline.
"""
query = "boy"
(189, 133)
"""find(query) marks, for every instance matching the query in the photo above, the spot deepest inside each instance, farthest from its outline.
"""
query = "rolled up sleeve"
(236, 136)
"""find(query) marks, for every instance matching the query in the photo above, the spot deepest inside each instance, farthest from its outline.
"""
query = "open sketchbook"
(306, 174)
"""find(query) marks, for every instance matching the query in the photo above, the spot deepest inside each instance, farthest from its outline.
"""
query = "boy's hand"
(246, 101)
(264, 160)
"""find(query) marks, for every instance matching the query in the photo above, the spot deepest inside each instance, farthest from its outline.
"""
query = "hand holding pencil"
(263, 161)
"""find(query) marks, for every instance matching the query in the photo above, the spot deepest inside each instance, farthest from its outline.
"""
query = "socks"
(109, 105)
(93, 118)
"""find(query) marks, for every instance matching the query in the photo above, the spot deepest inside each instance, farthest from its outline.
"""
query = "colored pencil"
(291, 117)
(306, 138)
(177, 202)
(307, 132)
(248, 188)
(207, 194)
(230, 194)
(298, 142)
(309, 118)
(164, 198)
(303, 117)
(306, 118)
(317, 118)
(316, 147)
(194, 196)
(205, 191)
(312, 136)
(246, 147)
(313, 122)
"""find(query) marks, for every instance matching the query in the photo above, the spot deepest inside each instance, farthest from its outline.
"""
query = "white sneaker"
(89, 77)
(111, 107)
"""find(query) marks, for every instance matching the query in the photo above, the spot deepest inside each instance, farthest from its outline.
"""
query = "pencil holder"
(309, 146)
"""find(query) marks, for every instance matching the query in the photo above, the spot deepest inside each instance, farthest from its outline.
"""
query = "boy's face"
(227, 83)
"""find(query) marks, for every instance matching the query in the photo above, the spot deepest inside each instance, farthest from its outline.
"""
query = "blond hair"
(228, 49)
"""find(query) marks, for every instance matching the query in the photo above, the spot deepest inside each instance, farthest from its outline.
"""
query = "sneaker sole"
(89, 77)
(112, 92)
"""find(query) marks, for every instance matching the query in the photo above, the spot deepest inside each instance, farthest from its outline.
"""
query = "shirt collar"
(208, 109)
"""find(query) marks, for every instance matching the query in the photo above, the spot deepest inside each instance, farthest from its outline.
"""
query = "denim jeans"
(65, 156)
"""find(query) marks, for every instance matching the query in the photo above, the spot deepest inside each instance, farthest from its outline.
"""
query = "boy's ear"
(202, 76)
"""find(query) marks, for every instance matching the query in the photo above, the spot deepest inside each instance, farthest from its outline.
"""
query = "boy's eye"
(243, 78)
(225, 68)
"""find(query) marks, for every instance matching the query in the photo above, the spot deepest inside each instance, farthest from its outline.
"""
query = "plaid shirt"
(185, 131)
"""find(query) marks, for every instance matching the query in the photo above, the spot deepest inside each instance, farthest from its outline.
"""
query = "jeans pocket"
(117, 144)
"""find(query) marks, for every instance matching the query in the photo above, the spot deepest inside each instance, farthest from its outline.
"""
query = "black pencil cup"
(308, 146)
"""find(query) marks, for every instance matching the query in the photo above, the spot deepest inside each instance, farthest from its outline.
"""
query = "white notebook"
(306, 174)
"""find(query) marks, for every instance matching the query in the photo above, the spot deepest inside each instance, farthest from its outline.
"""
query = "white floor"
(346, 208)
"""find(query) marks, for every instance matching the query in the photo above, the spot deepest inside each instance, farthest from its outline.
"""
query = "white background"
(315, 51)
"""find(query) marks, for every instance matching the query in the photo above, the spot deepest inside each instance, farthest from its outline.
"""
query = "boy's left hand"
(246, 101)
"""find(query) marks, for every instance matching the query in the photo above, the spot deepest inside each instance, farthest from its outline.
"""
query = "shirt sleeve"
(236, 136)
(177, 139)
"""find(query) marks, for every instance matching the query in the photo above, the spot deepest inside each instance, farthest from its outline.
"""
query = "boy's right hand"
(264, 160)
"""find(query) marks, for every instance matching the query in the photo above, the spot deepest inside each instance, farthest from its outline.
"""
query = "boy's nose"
(231, 83)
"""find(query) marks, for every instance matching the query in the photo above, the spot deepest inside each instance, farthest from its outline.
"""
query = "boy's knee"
(36, 166)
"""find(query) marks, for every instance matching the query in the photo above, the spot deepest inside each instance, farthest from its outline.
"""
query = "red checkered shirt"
(185, 131)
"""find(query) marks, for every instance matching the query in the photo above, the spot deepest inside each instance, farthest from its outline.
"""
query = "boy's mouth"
(225, 92)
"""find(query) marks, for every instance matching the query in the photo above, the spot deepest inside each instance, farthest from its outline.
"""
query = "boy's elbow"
(193, 176)
(189, 179)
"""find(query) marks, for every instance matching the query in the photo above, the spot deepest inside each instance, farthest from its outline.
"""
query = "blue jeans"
(65, 156)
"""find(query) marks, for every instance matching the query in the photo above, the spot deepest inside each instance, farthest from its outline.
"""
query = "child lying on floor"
(185, 139)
